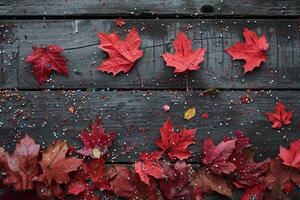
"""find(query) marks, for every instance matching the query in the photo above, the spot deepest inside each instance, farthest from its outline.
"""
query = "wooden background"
(131, 104)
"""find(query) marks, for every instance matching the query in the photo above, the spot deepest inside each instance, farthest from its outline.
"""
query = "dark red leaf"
(205, 181)
(257, 192)
(280, 117)
(280, 175)
(22, 166)
(97, 140)
(45, 60)
(81, 187)
(56, 166)
(127, 184)
(216, 157)
(149, 166)
(176, 184)
(96, 171)
(176, 144)
(49, 192)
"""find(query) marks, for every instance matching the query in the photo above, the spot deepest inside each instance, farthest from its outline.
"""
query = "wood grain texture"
(151, 8)
(136, 117)
(78, 37)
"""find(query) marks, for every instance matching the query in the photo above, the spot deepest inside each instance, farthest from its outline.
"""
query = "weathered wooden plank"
(136, 117)
(148, 8)
(78, 37)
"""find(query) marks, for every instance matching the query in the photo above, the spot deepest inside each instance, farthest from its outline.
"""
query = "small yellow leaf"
(190, 113)
(97, 153)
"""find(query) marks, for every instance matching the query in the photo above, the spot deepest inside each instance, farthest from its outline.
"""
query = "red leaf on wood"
(287, 187)
(216, 157)
(257, 192)
(44, 60)
(242, 141)
(96, 171)
(277, 178)
(176, 144)
(49, 192)
(22, 166)
(280, 117)
(184, 58)
(207, 181)
(204, 115)
(249, 173)
(56, 166)
(122, 54)
(127, 184)
(253, 50)
(176, 184)
(76, 187)
(149, 166)
(81, 188)
(96, 139)
(78, 182)
(120, 22)
(291, 157)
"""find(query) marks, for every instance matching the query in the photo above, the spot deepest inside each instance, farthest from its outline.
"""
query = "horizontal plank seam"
(144, 16)
(144, 89)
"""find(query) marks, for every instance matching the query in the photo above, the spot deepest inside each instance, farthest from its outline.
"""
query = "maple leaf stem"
(139, 77)
(187, 80)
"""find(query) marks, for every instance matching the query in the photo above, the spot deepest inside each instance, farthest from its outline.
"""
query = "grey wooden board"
(146, 7)
(136, 117)
(78, 37)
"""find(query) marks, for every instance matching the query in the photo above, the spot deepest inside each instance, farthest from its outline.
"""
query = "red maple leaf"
(205, 181)
(279, 177)
(80, 187)
(47, 192)
(291, 157)
(249, 173)
(56, 166)
(176, 144)
(176, 183)
(149, 166)
(184, 58)
(44, 60)
(280, 117)
(122, 54)
(253, 51)
(96, 139)
(245, 99)
(217, 157)
(127, 184)
(120, 22)
(204, 115)
(22, 166)
(95, 170)
(256, 192)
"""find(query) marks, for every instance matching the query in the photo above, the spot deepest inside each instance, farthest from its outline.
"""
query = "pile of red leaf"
(55, 172)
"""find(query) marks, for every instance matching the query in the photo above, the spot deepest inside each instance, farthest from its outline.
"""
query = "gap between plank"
(143, 16)
(144, 89)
